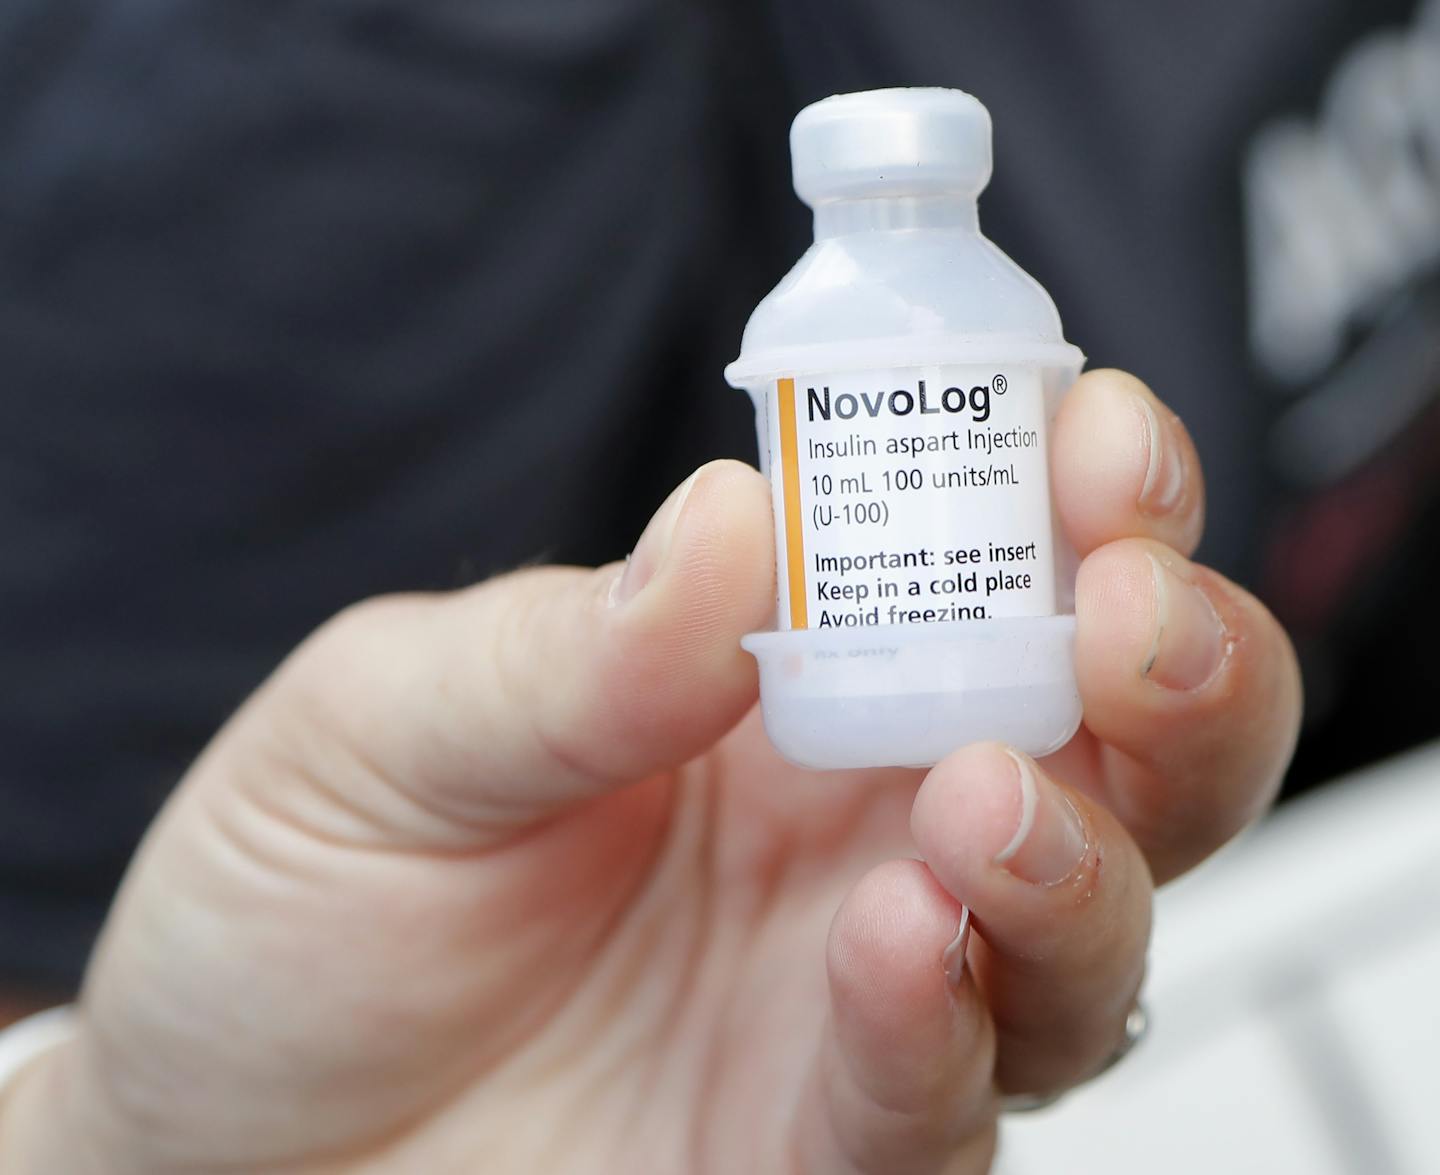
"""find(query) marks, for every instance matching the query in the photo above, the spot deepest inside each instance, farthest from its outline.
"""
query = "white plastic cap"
(890, 143)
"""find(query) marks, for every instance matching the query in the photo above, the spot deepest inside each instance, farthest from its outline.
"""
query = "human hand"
(510, 880)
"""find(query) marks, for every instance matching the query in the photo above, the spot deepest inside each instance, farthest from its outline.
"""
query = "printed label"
(911, 496)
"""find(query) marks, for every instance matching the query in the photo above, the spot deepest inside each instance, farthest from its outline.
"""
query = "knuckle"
(344, 669)
(516, 629)
(351, 638)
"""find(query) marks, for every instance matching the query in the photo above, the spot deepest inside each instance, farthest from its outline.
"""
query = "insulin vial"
(905, 374)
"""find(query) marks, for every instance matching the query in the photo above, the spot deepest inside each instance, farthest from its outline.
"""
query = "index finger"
(1124, 466)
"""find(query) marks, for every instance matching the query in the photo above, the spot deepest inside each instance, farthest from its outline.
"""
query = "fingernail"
(649, 552)
(1164, 468)
(953, 959)
(1049, 841)
(1189, 642)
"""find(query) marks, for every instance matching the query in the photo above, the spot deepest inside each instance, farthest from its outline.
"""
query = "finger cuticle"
(645, 560)
(1189, 642)
(1164, 483)
(1050, 841)
(953, 959)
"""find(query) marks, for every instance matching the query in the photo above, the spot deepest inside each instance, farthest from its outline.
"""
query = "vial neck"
(835, 218)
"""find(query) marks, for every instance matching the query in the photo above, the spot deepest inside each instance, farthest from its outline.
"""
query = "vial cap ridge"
(899, 142)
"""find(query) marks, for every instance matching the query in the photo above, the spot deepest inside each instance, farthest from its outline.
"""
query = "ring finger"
(1060, 898)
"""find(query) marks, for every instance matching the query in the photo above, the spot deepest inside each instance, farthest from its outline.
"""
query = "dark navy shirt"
(302, 302)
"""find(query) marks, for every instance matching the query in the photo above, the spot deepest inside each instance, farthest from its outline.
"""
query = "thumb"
(451, 720)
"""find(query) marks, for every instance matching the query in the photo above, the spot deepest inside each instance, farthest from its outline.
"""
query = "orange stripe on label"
(794, 522)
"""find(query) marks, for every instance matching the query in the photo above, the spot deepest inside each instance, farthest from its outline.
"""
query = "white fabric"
(1293, 998)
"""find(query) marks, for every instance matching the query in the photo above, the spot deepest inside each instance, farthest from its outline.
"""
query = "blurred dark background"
(302, 302)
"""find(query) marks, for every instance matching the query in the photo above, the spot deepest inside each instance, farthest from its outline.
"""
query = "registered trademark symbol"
(1000, 383)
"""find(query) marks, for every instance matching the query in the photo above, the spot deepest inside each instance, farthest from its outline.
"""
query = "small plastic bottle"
(905, 375)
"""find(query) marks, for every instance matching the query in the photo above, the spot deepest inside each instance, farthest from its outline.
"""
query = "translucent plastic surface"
(901, 280)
